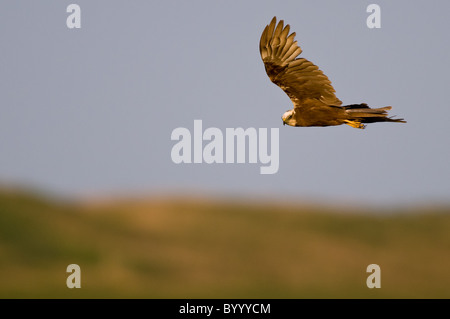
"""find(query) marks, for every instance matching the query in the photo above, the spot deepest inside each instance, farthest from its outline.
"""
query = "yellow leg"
(355, 124)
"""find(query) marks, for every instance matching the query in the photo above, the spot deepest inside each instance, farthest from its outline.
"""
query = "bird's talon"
(355, 124)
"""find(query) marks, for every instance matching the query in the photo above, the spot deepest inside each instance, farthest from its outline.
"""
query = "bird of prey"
(311, 92)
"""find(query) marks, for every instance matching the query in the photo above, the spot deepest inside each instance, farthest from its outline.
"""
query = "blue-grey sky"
(92, 110)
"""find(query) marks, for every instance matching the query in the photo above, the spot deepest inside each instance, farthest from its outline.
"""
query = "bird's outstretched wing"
(302, 81)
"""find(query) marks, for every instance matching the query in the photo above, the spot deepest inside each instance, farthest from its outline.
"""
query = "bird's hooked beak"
(284, 123)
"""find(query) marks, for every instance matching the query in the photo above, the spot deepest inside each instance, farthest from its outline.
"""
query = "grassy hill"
(162, 248)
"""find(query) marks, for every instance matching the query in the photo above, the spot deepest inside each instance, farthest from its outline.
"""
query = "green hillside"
(162, 248)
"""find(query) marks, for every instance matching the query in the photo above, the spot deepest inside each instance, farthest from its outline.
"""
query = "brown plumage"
(311, 92)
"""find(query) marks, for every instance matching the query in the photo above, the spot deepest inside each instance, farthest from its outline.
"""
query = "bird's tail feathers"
(365, 114)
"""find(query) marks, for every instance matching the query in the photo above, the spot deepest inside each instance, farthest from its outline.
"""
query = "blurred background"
(86, 175)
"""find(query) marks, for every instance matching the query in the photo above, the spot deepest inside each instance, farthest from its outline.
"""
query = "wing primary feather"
(289, 52)
(262, 43)
(283, 39)
(271, 28)
(278, 29)
(288, 44)
(293, 55)
(285, 32)
(301, 79)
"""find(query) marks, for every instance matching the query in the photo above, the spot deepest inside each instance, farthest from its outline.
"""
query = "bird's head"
(288, 118)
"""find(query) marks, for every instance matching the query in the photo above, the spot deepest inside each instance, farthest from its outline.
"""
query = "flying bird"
(310, 90)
